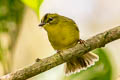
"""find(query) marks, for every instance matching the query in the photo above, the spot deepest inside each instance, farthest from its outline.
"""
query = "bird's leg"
(59, 51)
(38, 59)
(80, 41)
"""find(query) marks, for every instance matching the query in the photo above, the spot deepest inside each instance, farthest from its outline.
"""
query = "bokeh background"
(22, 41)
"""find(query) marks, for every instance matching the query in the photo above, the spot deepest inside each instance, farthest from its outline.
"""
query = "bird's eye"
(50, 19)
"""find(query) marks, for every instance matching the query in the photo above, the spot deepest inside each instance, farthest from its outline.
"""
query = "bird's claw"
(38, 59)
(81, 42)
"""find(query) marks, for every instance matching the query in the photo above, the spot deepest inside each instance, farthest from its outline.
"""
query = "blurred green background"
(22, 41)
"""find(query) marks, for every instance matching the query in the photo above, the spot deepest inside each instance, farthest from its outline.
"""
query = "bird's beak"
(41, 24)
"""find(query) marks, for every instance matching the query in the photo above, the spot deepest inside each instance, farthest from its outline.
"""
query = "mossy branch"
(45, 64)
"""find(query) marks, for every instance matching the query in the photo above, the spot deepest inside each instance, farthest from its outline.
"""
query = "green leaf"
(34, 4)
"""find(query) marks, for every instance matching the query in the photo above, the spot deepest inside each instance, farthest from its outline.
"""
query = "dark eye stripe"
(45, 17)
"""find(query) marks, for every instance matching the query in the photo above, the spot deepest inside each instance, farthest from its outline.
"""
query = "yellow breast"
(63, 36)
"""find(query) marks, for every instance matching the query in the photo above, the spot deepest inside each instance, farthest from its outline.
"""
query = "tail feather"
(77, 64)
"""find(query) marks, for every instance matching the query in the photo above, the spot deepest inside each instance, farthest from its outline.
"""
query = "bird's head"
(49, 19)
(52, 20)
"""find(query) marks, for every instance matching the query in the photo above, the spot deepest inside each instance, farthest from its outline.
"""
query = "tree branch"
(45, 64)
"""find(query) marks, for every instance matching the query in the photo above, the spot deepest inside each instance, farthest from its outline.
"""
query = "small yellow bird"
(63, 33)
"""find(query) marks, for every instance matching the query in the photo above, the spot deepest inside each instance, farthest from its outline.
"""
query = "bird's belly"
(61, 41)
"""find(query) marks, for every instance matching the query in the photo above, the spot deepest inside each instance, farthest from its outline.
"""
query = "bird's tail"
(76, 64)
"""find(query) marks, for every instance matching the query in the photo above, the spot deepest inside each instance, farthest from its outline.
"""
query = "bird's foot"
(81, 42)
(38, 60)
(58, 51)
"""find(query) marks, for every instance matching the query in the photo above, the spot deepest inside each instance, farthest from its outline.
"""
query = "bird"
(63, 33)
